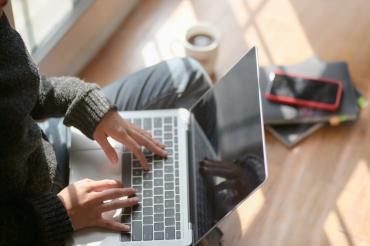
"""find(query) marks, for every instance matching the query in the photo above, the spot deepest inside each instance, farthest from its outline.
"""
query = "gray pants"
(176, 83)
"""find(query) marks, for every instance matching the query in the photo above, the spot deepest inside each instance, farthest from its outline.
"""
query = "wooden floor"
(317, 193)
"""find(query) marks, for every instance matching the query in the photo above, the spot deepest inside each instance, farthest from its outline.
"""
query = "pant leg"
(176, 83)
(57, 134)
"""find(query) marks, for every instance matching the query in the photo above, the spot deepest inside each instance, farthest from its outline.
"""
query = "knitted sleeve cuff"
(55, 224)
(87, 112)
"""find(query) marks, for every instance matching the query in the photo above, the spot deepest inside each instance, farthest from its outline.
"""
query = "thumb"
(107, 148)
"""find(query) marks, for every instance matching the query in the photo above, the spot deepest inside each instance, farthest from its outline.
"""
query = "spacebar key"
(126, 169)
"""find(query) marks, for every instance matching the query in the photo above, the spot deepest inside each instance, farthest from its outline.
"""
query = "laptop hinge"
(192, 180)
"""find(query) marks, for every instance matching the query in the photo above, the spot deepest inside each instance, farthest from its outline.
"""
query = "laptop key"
(168, 169)
(126, 169)
(169, 203)
(136, 216)
(168, 177)
(158, 173)
(148, 193)
(158, 165)
(136, 230)
(178, 234)
(137, 122)
(148, 220)
(125, 237)
(148, 211)
(157, 122)
(169, 222)
(158, 199)
(158, 235)
(148, 232)
(170, 233)
(158, 217)
(169, 194)
(147, 176)
(169, 212)
(158, 208)
(125, 219)
(135, 180)
(136, 172)
(157, 133)
(168, 144)
(158, 227)
(168, 128)
(147, 124)
(148, 184)
(158, 182)
(168, 120)
(158, 191)
(148, 202)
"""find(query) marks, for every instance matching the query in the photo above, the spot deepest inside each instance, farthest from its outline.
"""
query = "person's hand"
(86, 202)
(113, 125)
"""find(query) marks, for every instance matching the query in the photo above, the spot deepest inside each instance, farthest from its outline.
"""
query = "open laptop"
(216, 159)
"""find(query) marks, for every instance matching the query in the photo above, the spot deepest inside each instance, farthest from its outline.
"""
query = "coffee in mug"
(201, 43)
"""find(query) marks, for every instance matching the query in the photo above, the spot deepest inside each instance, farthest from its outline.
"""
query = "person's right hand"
(86, 201)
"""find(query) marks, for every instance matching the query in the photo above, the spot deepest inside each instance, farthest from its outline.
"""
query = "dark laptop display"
(227, 145)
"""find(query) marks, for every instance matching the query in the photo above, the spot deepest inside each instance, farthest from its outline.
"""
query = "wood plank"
(317, 193)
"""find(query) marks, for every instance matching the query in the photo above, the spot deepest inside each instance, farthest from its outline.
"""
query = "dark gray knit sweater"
(30, 213)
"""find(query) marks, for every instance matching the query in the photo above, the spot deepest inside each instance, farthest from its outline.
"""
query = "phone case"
(306, 103)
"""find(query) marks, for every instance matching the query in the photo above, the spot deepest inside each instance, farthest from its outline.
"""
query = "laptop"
(216, 159)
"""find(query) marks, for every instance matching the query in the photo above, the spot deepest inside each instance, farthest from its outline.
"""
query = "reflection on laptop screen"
(228, 145)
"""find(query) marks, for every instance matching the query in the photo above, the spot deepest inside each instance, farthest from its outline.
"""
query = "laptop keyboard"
(157, 216)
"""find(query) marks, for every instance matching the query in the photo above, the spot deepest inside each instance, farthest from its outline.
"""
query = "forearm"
(80, 103)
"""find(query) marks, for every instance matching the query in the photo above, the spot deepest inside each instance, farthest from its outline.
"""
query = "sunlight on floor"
(255, 19)
(167, 41)
(345, 224)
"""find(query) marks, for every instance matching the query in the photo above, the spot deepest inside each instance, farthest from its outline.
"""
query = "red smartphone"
(300, 90)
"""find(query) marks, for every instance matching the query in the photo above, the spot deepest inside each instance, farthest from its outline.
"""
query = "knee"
(197, 73)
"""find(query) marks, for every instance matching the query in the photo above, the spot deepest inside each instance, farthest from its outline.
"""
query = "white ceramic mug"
(206, 55)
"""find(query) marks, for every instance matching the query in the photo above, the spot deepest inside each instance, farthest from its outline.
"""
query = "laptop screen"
(228, 145)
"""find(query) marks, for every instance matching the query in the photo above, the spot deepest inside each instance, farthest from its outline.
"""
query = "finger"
(149, 136)
(118, 203)
(113, 225)
(228, 184)
(135, 148)
(218, 172)
(107, 148)
(215, 163)
(112, 193)
(101, 185)
(148, 143)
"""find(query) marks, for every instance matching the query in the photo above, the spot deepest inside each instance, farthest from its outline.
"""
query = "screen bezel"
(301, 102)
(251, 54)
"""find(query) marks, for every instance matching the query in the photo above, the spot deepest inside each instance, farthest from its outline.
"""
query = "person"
(38, 206)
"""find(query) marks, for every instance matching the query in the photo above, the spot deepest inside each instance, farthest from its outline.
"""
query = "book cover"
(275, 113)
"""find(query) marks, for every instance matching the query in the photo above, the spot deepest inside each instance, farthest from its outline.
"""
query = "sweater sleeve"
(21, 216)
(81, 104)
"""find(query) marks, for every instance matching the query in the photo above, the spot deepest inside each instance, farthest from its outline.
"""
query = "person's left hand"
(114, 126)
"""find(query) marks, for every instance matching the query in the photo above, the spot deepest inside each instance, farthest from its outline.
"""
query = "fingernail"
(135, 199)
(114, 159)
(126, 227)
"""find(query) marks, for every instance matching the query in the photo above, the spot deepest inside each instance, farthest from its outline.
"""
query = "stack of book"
(292, 124)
